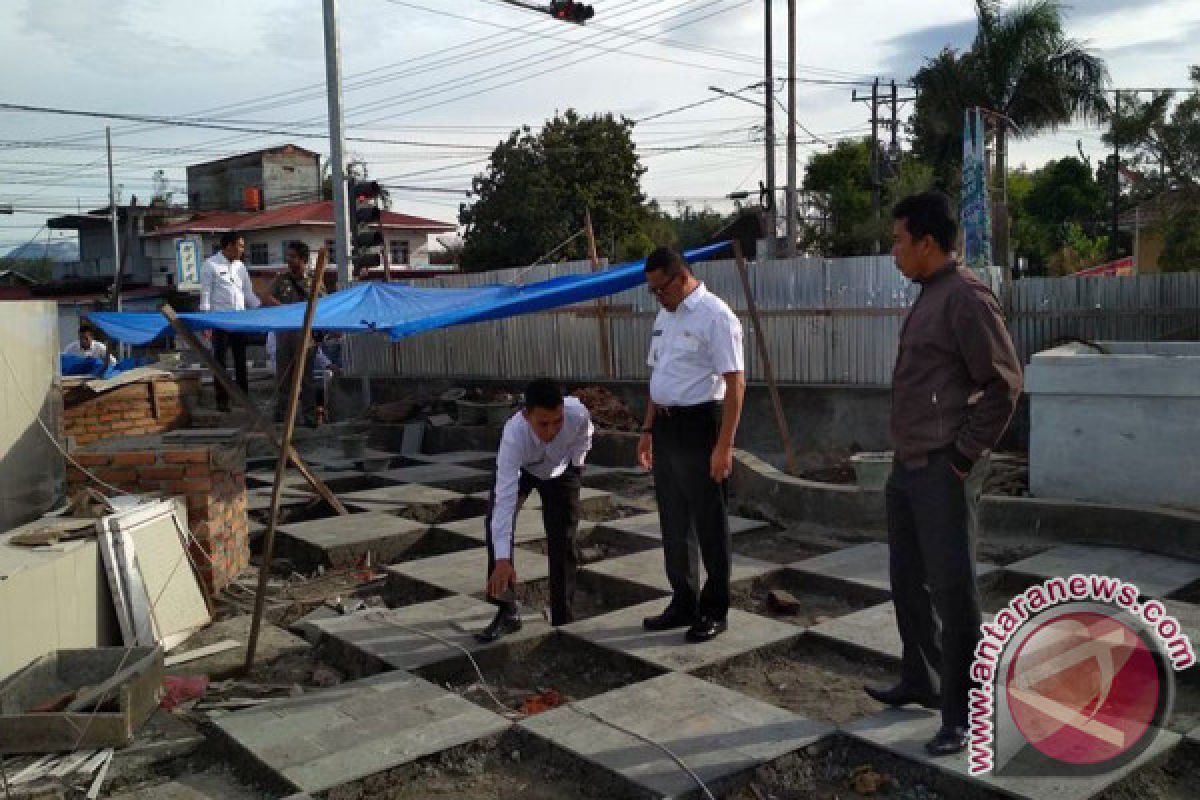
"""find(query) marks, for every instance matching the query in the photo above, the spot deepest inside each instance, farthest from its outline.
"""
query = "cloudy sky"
(433, 84)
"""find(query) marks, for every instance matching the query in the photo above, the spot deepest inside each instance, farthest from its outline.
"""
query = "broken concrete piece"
(342, 541)
(782, 601)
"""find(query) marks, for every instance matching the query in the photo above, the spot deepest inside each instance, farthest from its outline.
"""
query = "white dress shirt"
(691, 349)
(98, 350)
(226, 286)
(521, 449)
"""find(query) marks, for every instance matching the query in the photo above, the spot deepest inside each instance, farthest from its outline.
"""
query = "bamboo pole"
(601, 314)
(289, 428)
(768, 372)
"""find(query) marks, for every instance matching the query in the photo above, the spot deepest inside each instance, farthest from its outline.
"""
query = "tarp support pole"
(256, 419)
(289, 427)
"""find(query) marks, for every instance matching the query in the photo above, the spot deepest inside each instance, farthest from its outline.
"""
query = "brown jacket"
(957, 376)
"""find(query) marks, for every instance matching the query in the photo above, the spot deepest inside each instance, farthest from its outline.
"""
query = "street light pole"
(791, 133)
(112, 216)
(333, 86)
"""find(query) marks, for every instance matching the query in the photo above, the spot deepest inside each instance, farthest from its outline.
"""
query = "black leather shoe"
(901, 695)
(504, 622)
(705, 629)
(667, 620)
(948, 741)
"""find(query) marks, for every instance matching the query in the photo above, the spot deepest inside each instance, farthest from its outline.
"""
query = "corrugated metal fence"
(831, 321)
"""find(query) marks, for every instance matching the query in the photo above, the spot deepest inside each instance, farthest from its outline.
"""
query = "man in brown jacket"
(954, 388)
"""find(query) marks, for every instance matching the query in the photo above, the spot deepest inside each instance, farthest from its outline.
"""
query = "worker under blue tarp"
(396, 310)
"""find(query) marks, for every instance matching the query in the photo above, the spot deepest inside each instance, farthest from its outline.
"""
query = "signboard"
(1121, 267)
(187, 264)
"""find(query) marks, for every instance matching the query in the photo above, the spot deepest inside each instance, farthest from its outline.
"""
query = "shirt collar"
(941, 272)
(693, 299)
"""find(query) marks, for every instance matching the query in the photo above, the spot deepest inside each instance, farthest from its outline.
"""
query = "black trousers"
(287, 350)
(931, 515)
(561, 511)
(692, 510)
(222, 342)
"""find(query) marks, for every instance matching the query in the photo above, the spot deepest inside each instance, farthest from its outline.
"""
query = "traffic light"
(366, 234)
(571, 11)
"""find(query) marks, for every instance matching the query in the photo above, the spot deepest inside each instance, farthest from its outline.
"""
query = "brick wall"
(212, 479)
(154, 405)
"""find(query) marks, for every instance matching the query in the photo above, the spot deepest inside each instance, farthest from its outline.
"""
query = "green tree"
(685, 229)
(1059, 205)
(538, 186)
(1160, 141)
(843, 175)
(1021, 65)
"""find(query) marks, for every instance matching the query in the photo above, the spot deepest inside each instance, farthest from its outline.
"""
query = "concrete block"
(341, 541)
(415, 636)
(444, 476)
(306, 625)
(648, 525)
(463, 572)
(1154, 575)
(872, 630)
(903, 732)
(646, 569)
(476, 459)
(715, 731)
(422, 503)
(622, 631)
(326, 739)
(862, 566)
(529, 527)
(273, 642)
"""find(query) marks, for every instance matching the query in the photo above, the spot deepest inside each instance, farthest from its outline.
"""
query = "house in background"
(94, 229)
(257, 181)
(268, 233)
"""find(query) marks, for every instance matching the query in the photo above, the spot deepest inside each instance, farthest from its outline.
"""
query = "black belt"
(700, 409)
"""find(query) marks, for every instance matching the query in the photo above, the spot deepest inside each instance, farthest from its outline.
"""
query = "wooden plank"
(201, 652)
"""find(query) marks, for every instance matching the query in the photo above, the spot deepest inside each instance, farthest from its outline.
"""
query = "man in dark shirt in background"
(954, 388)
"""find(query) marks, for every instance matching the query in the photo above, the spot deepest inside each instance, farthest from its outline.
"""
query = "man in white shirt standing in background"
(696, 362)
(543, 447)
(225, 286)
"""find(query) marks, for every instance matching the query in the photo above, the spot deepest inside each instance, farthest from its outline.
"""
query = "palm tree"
(1022, 67)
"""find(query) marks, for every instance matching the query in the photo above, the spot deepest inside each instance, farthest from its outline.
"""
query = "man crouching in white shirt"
(543, 447)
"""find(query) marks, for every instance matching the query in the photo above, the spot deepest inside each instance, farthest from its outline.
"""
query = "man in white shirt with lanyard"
(543, 447)
(225, 286)
(696, 362)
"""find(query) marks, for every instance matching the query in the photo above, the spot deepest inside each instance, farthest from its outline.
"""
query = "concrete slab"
(260, 499)
(529, 527)
(872, 630)
(368, 641)
(903, 732)
(463, 572)
(198, 786)
(306, 625)
(594, 502)
(622, 631)
(715, 731)
(265, 478)
(648, 525)
(476, 459)
(422, 503)
(321, 740)
(1154, 575)
(273, 642)
(444, 476)
(864, 565)
(343, 541)
(646, 569)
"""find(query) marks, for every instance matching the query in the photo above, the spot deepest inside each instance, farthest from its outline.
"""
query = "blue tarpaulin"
(97, 368)
(394, 309)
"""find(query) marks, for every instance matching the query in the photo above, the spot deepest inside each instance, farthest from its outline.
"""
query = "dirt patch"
(782, 546)
(594, 595)
(573, 668)
(805, 676)
(817, 604)
(606, 409)
(514, 765)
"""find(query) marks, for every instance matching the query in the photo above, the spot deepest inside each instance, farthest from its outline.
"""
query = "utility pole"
(1116, 182)
(877, 99)
(333, 86)
(791, 134)
(876, 198)
(112, 216)
(895, 149)
(772, 216)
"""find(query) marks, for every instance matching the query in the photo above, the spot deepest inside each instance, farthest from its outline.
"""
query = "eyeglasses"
(657, 291)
